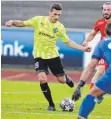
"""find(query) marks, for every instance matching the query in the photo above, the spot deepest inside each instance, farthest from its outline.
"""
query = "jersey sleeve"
(96, 26)
(63, 34)
(31, 22)
(97, 52)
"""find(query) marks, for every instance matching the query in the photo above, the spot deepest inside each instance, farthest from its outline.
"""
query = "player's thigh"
(104, 83)
(100, 70)
(41, 69)
(57, 69)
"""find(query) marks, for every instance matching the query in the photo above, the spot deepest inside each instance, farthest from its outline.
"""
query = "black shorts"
(54, 64)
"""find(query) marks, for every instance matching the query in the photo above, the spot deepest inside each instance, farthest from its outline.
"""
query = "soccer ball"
(67, 105)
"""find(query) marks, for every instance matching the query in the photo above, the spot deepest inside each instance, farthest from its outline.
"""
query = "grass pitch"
(24, 100)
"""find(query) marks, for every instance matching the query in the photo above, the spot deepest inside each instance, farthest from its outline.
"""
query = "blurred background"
(76, 14)
(17, 43)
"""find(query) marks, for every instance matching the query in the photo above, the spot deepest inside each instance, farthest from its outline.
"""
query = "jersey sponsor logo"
(55, 30)
(101, 23)
(45, 34)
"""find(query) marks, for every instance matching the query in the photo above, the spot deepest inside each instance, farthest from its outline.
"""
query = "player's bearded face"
(54, 15)
(107, 11)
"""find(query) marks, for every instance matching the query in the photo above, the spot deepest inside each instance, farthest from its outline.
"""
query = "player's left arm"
(74, 45)
(87, 73)
(71, 43)
(96, 56)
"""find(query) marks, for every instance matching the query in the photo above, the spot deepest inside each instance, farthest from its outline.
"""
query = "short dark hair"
(56, 6)
(108, 29)
(106, 3)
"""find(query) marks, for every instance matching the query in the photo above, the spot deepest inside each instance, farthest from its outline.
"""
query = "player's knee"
(61, 79)
(100, 71)
(95, 91)
(42, 77)
(92, 91)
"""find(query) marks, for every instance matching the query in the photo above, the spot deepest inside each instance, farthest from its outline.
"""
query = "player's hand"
(87, 49)
(9, 23)
(77, 94)
(85, 44)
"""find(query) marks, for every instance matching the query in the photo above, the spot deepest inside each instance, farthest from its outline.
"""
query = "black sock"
(47, 93)
(67, 78)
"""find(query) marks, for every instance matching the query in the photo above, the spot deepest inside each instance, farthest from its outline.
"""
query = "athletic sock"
(87, 106)
(47, 93)
(91, 85)
(67, 78)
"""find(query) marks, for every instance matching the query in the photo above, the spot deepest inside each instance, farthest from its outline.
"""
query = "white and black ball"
(67, 104)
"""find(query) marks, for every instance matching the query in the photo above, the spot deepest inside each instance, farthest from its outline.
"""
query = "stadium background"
(81, 14)
(24, 100)
(77, 17)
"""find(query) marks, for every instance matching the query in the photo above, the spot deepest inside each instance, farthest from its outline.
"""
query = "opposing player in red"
(100, 27)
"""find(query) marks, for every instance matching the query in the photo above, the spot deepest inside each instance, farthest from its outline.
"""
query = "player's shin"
(47, 93)
(100, 98)
(87, 106)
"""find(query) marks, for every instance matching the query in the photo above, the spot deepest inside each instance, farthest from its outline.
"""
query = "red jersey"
(100, 26)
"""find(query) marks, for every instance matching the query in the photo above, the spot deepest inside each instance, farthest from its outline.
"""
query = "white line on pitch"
(61, 114)
(37, 92)
(26, 101)
(22, 92)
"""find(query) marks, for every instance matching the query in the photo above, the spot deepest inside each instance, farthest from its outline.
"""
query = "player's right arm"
(18, 23)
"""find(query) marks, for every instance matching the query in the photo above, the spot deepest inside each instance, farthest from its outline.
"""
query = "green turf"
(24, 100)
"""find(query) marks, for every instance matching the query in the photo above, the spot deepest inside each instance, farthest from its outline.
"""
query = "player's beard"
(55, 20)
(107, 17)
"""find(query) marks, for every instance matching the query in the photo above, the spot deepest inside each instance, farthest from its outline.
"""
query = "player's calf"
(46, 90)
(100, 98)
